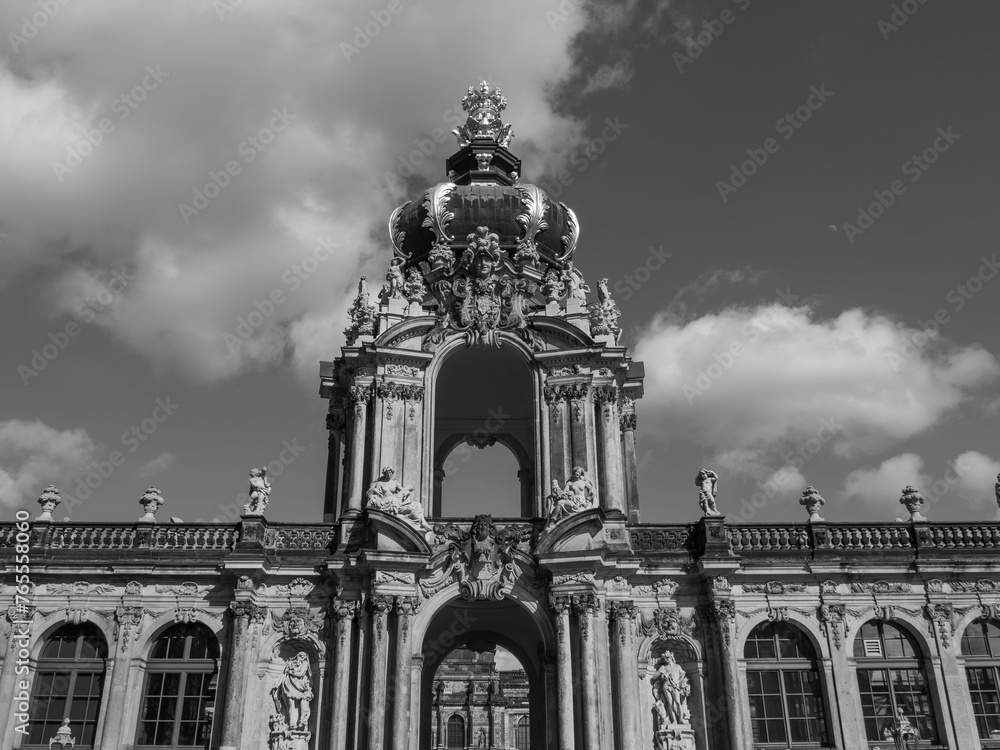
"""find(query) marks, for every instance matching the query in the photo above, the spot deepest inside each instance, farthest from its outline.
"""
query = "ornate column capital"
(559, 604)
(585, 607)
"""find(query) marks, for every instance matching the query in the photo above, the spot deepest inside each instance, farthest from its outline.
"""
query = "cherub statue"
(708, 484)
(578, 494)
(292, 695)
(389, 496)
(260, 493)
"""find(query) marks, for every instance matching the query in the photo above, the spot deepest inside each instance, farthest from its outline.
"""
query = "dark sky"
(794, 203)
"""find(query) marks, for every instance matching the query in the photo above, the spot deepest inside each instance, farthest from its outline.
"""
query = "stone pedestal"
(283, 738)
(675, 737)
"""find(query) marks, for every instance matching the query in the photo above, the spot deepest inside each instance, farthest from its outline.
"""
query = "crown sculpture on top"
(483, 107)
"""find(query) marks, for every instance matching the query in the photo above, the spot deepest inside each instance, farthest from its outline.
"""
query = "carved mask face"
(484, 265)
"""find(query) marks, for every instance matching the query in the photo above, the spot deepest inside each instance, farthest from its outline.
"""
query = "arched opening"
(69, 681)
(481, 665)
(483, 397)
(481, 480)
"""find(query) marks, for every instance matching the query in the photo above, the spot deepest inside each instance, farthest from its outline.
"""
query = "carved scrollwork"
(298, 587)
(79, 588)
(533, 220)
(188, 588)
(570, 239)
(773, 587)
(438, 216)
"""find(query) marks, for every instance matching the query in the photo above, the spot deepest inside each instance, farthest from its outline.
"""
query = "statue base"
(675, 737)
(289, 739)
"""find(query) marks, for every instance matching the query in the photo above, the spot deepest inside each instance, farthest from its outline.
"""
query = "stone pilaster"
(585, 608)
(406, 606)
(612, 483)
(723, 614)
(623, 663)
(380, 606)
(358, 420)
(564, 667)
(627, 422)
(244, 614)
(127, 622)
(335, 425)
(344, 613)
(18, 629)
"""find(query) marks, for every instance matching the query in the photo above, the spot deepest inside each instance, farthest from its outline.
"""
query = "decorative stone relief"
(298, 587)
(834, 618)
(880, 587)
(389, 496)
(579, 494)
(707, 482)
(133, 588)
(406, 606)
(585, 607)
(298, 623)
(486, 294)
(940, 614)
(935, 586)
(482, 560)
(533, 220)
(406, 371)
(564, 578)
(380, 606)
(79, 588)
(664, 589)
(342, 611)
(719, 583)
(188, 588)
(666, 622)
(127, 620)
(623, 616)
(773, 587)
(828, 587)
(245, 583)
(983, 585)
(260, 493)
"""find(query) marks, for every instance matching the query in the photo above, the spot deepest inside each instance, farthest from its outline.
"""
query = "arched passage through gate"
(481, 626)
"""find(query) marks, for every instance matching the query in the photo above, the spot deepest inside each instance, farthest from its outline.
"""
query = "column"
(578, 407)
(20, 638)
(624, 665)
(405, 607)
(380, 606)
(360, 396)
(416, 679)
(612, 485)
(343, 612)
(335, 424)
(627, 423)
(127, 620)
(564, 666)
(585, 607)
(724, 615)
(243, 614)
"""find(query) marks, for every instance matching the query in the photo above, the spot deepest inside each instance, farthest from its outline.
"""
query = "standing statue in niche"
(482, 738)
(670, 693)
(578, 494)
(293, 694)
(260, 493)
(389, 496)
(708, 486)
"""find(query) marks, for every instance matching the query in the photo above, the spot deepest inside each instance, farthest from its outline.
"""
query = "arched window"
(891, 678)
(178, 701)
(455, 737)
(68, 684)
(981, 649)
(786, 697)
(522, 734)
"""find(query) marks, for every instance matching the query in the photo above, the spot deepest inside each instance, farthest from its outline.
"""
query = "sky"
(794, 204)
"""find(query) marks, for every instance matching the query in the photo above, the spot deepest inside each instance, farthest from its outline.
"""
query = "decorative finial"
(707, 482)
(63, 738)
(483, 107)
(362, 314)
(260, 493)
(913, 501)
(812, 501)
(49, 500)
(150, 501)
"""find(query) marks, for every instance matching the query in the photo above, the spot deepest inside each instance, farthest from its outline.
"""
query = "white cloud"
(323, 174)
(609, 76)
(33, 455)
(882, 487)
(156, 466)
(978, 475)
(749, 384)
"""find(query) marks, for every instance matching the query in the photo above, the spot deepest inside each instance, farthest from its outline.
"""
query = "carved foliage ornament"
(298, 587)
(833, 617)
(666, 622)
(188, 588)
(79, 588)
(880, 587)
(773, 587)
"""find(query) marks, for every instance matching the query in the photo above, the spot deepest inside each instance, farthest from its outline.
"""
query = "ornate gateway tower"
(337, 635)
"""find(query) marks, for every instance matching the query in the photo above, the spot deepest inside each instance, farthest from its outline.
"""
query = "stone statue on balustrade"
(578, 494)
(292, 696)
(708, 488)
(671, 689)
(395, 283)
(389, 496)
(260, 493)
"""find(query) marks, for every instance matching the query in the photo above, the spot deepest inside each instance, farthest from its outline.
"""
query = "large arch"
(517, 624)
(482, 395)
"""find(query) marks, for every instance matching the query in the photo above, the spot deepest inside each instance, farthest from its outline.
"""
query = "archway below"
(478, 633)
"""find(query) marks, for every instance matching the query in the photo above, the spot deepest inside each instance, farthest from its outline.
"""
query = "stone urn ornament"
(913, 501)
(812, 501)
(49, 500)
(151, 501)
(63, 738)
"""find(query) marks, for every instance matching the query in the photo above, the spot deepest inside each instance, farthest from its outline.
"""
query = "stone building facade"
(701, 635)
